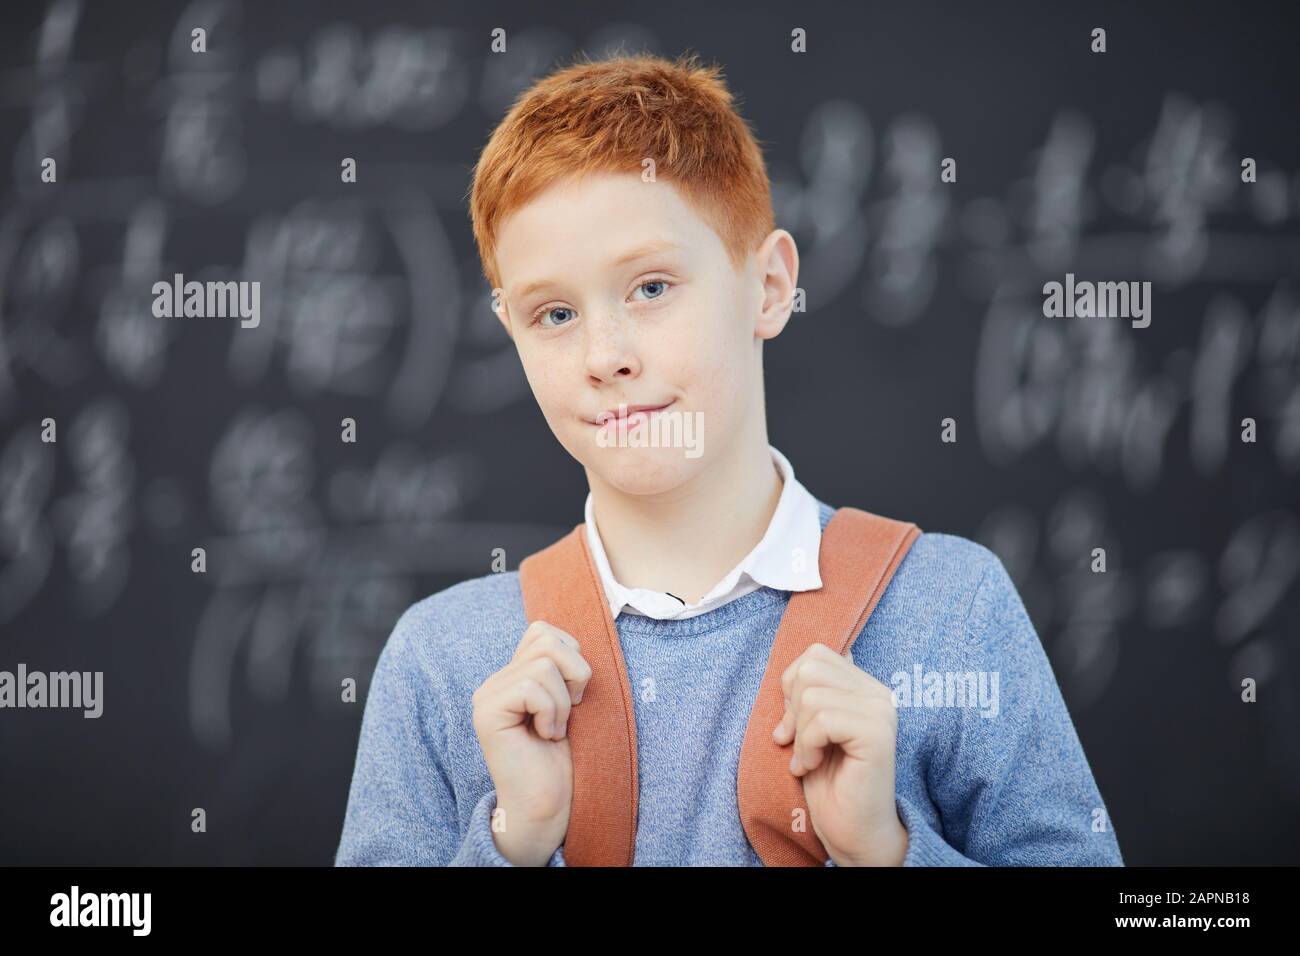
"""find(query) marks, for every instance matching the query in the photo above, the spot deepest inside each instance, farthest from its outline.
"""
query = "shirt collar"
(786, 558)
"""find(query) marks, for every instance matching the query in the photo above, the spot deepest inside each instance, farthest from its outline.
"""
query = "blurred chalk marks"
(368, 301)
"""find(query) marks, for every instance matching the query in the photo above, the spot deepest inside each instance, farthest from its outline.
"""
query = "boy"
(623, 216)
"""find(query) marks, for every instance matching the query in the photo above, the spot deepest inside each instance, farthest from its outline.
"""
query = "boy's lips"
(612, 415)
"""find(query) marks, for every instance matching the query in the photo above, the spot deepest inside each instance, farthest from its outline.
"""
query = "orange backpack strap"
(859, 554)
(561, 586)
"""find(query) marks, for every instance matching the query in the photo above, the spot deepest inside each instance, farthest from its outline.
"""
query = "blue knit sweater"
(995, 777)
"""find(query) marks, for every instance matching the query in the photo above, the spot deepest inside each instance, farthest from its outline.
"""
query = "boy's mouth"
(630, 413)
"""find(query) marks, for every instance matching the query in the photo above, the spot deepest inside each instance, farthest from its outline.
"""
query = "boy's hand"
(844, 728)
(520, 713)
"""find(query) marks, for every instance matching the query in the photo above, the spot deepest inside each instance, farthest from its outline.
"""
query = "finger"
(811, 699)
(530, 634)
(544, 670)
(783, 732)
(816, 658)
(827, 726)
(560, 647)
(540, 629)
(866, 683)
(815, 700)
(573, 667)
(512, 700)
(820, 668)
(877, 722)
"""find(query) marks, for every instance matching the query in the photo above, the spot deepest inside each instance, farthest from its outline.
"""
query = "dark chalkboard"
(924, 302)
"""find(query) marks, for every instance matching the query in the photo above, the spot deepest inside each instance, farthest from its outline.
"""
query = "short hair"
(607, 116)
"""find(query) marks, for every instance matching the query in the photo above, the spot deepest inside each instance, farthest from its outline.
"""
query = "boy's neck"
(685, 540)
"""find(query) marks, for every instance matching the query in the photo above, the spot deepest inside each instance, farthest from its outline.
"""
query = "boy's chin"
(643, 471)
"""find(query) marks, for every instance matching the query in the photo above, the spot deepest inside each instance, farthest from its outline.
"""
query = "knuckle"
(550, 670)
(532, 685)
(815, 698)
(804, 695)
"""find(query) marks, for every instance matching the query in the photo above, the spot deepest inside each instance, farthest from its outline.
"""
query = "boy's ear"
(777, 264)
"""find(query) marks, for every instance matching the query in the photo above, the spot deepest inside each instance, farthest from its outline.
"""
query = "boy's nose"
(610, 349)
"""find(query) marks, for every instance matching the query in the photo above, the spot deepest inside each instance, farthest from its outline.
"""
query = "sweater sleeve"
(401, 806)
(480, 849)
(1010, 783)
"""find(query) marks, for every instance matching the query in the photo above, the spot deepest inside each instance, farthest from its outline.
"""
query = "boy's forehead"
(602, 219)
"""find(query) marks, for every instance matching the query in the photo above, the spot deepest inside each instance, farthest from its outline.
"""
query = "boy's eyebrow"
(640, 252)
(648, 249)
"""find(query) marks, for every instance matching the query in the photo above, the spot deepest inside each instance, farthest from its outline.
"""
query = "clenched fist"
(520, 717)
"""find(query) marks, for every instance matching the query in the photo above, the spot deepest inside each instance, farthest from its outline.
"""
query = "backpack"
(859, 554)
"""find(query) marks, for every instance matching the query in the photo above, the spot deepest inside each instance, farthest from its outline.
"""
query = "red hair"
(609, 115)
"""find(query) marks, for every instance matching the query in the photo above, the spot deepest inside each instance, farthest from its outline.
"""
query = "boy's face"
(616, 292)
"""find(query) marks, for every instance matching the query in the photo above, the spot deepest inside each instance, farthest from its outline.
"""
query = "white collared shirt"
(785, 559)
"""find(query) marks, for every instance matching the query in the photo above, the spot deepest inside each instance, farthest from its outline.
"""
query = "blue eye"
(542, 313)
